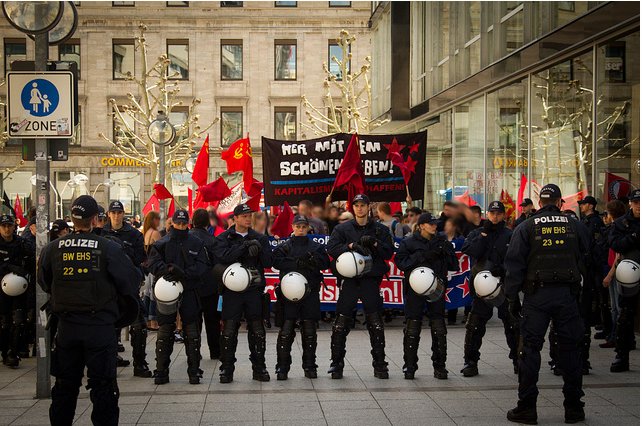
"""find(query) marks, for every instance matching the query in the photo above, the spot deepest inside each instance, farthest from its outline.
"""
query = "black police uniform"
(182, 257)
(546, 260)
(231, 247)
(30, 322)
(300, 254)
(133, 244)
(16, 256)
(85, 274)
(438, 254)
(365, 287)
(625, 239)
(488, 252)
(208, 294)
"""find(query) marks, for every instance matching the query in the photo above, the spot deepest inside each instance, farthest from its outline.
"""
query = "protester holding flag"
(301, 255)
(368, 238)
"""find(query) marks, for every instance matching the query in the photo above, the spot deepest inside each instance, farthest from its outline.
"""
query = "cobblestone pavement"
(611, 399)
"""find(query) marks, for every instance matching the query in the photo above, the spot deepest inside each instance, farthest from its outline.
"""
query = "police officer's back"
(546, 260)
(86, 276)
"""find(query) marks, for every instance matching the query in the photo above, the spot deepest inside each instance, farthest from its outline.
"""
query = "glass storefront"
(126, 189)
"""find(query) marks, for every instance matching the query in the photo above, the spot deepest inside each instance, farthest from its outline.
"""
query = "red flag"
(522, 189)
(395, 206)
(152, 204)
(466, 199)
(616, 187)
(254, 200)
(190, 201)
(282, 225)
(239, 159)
(215, 191)
(350, 173)
(171, 209)
(508, 202)
(201, 168)
(19, 214)
(161, 192)
(570, 201)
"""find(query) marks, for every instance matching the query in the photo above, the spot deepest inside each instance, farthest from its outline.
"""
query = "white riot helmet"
(424, 282)
(488, 288)
(294, 286)
(14, 285)
(627, 275)
(352, 264)
(237, 278)
(168, 294)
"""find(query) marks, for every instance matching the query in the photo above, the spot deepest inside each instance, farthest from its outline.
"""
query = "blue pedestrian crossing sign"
(40, 105)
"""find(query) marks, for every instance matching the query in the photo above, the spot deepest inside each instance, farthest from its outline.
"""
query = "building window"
(334, 50)
(70, 52)
(178, 118)
(285, 123)
(336, 124)
(284, 4)
(177, 4)
(469, 149)
(439, 176)
(231, 59)
(340, 3)
(285, 60)
(231, 4)
(123, 59)
(123, 131)
(126, 189)
(14, 50)
(178, 54)
(231, 125)
(123, 3)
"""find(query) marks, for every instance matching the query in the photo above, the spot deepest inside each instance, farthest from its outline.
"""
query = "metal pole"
(161, 176)
(43, 380)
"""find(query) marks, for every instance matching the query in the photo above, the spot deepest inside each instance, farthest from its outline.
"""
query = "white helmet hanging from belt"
(424, 282)
(14, 284)
(352, 264)
(294, 286)
(627, 275)
(238, 278)
(488, 288)
(168, 294)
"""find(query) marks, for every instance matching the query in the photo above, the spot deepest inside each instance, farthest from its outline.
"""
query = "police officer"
(546, 261)
(625, 240)
(240, 243)
(487, 247)
(425, 248)
(528, 209)
(208, 291)
(300, 254)
(85, 275)
(367, 237)
(181, 257)
(133, 245)
(16, 256)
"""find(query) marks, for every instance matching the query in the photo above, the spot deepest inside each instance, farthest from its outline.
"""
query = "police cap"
(361, 198)
(58, 225)
(101, 213)
(496, 206)
(634, 195)
(116, 206)
(427, 218)
(550, 191)
(180, 216)
(84, 207)
(6, 218)
(300, 219)
(588, 200)
(242, 209)
(526, 202)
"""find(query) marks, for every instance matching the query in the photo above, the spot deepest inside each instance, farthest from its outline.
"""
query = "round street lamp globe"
(161, 131)
(35, 17)
(67, 25)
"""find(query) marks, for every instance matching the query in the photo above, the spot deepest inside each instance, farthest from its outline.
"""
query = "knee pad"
(19, 316)
(287, 329)
(413, 327)
(374, 321)
(342, 324)
(230, 328)
(438, 326)
(308, 326)
(256, 328)
(5, 322)
(474, 322)
(192, 330)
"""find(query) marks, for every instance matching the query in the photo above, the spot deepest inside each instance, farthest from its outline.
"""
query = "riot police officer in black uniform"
(367, 237)
(624, 239)
(546, 261)
(425, 248)
(528, 210)
(487, 247)
(180, 256)
(300, 254)
(87, 276)
(16, 256)
(240, 243)
(132, 243)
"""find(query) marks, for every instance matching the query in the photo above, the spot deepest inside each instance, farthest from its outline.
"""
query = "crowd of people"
(105, 272)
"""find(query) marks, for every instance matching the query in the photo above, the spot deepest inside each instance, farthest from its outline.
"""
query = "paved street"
(359, 398)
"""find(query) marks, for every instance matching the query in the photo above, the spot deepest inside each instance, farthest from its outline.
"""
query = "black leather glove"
(488, 226)
(360, 249)
(368, 242)
(307, 262)
(253, 248)
(174, 273)
(514, 310)
(497, 271)
(18, 270)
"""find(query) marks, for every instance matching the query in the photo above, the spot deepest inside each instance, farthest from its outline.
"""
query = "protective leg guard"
(64, 396)
(340, 331)
(283, 349)
(511, 331)
(138, 335)
(193, 352)
(164, 348)
(438, 334)
(256, 332)
(309, 343)
(374, 323)
(229, 340)
(104, 396)
(411, 337)
(475, 331)
(19, 317)
(622, 341)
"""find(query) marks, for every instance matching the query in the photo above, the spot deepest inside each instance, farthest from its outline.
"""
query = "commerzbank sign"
(129, 162)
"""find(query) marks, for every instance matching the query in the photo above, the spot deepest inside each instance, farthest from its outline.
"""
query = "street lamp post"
(77, 180)
(107, 182)
(162, 133)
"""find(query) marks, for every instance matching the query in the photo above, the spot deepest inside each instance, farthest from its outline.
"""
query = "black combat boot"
(438, 334)
(374, 323)
(256, 339)
(574, 413)
(621, 363)
(309, 343)
(283, 349)
(340, 331)
(525, 412)
(411, 336)
(193, 352)
(229, 340)
(138, 335)
(475, 331)
(164, 348)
